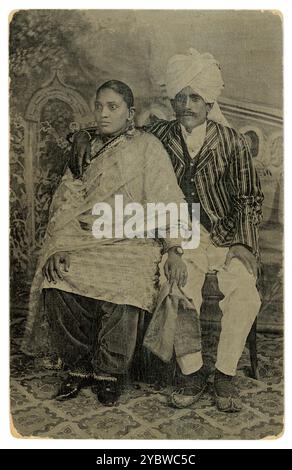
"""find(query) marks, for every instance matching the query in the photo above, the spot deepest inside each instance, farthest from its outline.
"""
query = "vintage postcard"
(146, 224)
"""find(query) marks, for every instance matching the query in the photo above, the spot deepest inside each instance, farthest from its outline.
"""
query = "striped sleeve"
(247, 195)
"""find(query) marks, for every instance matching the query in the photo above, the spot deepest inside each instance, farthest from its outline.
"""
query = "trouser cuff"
(190, 363)
(102, 376)
(227, 370)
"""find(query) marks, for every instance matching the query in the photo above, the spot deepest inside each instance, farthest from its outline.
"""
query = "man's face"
(111, 112)
(190, 108)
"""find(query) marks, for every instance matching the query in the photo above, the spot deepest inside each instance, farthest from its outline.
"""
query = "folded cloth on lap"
(175, 325)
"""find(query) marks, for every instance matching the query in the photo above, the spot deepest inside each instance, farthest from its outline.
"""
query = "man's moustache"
(186, 113)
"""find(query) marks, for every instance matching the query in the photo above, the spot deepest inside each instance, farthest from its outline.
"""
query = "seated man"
(214, 168)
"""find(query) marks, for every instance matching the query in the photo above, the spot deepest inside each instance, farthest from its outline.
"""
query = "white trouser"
(239, 307)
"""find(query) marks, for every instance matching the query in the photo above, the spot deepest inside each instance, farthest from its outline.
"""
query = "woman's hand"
(175, 269)
(52, 269)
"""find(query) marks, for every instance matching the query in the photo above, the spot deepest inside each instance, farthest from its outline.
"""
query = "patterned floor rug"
(143, 411)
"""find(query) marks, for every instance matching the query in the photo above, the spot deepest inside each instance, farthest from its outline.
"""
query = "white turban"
(202, 73)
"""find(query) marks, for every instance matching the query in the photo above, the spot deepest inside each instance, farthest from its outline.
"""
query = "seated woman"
(87, 292)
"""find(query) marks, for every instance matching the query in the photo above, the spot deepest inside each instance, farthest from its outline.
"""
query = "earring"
(131, 123)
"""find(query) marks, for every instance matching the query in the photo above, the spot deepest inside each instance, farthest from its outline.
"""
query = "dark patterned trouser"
(91, 336)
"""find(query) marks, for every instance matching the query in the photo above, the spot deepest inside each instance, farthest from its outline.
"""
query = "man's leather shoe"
(226, 394)
(193, 387)
(107, 391)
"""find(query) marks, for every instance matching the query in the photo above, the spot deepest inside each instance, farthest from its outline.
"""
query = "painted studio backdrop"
(57, 59)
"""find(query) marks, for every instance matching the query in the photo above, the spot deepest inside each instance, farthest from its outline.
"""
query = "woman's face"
(111, 112)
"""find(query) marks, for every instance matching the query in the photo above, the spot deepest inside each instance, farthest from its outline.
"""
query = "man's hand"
(245, 256)
(80, 156)
(175, 269)
(52, 268)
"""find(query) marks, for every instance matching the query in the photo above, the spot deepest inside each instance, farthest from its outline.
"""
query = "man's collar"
(197, 131)
(212, 139)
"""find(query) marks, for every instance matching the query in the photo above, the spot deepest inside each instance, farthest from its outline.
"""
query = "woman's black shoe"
(108, 392)
(71, 387)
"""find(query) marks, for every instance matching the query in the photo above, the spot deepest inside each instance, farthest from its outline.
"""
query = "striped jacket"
(226, 181)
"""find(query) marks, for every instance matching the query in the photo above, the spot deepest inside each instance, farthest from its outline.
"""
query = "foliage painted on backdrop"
(52, 151)
(40, 41)
(18, 200)
(53, 146)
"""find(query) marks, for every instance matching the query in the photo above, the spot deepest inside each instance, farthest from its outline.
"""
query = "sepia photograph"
(146, 224)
